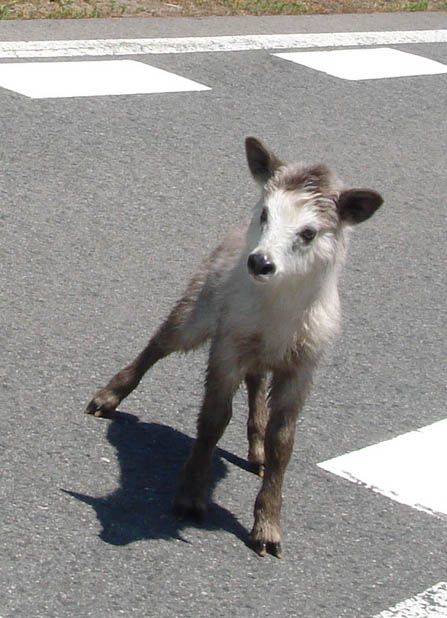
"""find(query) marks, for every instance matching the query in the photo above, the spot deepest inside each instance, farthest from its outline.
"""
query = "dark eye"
(308, 234)
(264, 216)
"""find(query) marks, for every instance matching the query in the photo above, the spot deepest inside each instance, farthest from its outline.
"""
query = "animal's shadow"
(150, 456)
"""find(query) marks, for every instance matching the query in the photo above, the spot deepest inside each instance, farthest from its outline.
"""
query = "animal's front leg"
(223, 378)
(257, 420)
(179, 331)
(125, 381)
(286, 400)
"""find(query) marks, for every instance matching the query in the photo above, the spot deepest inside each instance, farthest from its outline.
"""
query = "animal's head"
(299, 223)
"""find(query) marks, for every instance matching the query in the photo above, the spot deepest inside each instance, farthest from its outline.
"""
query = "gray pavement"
(107, 205)
(135, 27)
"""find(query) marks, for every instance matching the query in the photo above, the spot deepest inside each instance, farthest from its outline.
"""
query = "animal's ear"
(261, 162)
(357, 205)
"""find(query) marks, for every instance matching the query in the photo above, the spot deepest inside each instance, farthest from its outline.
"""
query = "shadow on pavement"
(150, 456)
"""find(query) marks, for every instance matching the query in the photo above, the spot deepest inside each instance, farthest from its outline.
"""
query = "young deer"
(267, 299)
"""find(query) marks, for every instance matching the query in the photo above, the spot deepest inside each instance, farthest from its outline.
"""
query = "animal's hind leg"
(188, 326)
(257, 420)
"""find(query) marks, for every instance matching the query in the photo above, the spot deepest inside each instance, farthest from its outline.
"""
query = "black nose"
(260, 264)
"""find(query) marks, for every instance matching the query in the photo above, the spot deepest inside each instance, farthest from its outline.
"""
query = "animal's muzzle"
(260, 264)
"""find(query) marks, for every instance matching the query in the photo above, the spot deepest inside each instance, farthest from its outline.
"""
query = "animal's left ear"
(261, 162)
(357, 205)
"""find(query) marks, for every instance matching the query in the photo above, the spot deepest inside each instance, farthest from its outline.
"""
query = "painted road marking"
(126, 47)
(357, 64)
(431, 603)
(409, 469)
(42, 80)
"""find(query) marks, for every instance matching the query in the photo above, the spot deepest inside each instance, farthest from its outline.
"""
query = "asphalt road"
(107, 205)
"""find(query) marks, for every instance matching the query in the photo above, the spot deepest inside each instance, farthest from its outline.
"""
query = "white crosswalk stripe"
(431, 603)
(358, 64)
(409, 468)
(41, 80)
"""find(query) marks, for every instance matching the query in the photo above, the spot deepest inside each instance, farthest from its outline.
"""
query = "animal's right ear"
(261, 162)
(357, 205)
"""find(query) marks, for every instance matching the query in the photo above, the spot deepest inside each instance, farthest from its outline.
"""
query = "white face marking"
(287, 214)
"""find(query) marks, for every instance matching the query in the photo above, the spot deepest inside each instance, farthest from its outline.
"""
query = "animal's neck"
(296, 295)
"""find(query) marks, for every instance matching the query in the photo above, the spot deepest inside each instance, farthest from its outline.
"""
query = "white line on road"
(357, 64)
(431, 603)
(409, 468)
(42, 80)
(182, 45)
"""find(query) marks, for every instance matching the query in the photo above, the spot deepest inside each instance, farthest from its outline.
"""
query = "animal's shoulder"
(231, 246)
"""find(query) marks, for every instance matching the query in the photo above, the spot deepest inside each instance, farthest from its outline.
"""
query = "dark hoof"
(94, 410)
(100, 413)
(262, 549)
(103, 404)
(191, 513)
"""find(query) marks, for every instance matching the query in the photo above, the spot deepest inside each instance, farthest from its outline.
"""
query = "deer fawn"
(267, 299)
